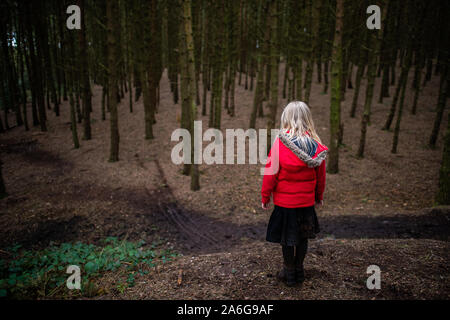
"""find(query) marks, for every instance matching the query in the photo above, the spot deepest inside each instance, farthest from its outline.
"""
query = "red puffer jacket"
(299, 180)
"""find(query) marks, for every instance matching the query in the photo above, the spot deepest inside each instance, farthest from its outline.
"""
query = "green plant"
(43, 273)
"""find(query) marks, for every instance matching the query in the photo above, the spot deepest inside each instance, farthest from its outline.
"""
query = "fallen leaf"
(180, 277)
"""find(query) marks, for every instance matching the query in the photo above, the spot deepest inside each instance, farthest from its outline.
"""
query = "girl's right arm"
(270, 178)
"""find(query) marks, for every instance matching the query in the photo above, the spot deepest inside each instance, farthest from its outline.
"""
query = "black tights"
(292, 261)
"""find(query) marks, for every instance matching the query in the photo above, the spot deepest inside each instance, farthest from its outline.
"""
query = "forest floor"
(378, 210)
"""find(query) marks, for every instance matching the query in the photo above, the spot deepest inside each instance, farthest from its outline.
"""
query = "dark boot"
(290, 277)
(282, 274)
(287, 274)
(300, 253)
(299, 275)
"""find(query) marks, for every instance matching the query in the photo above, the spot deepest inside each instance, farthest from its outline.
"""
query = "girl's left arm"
(321, 180)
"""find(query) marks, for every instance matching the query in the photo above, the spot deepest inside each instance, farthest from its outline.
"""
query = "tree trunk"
(70, 85)
(184, 90)
(336, 77)
(35, 63)
(274, 62)
(2, 182)
(190, 79)
(443, 93)
(443, 194)
(113, 25)
(417, 89)
(84, 73)
(371, 74)
(259, 90)
(405, 71)
(359, 75)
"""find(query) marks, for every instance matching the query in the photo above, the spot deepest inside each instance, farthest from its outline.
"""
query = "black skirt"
(289, 226)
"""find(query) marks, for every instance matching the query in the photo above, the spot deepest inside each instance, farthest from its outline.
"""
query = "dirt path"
(189, 231)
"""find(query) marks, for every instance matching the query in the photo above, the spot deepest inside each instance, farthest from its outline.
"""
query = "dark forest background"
(126, 45)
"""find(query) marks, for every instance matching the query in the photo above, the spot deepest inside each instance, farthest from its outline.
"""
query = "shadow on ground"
(155, 215)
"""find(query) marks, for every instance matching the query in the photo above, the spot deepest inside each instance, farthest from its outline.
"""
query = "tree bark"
(113, 25)
(443, 93)
(190, 79)
(371, 74)
(274, 64)
(443, 194)
(336, 77)
(84, 72)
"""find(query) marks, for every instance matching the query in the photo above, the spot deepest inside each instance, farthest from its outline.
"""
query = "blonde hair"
(297, 123)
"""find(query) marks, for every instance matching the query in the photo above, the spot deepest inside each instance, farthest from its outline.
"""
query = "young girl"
(296, 184)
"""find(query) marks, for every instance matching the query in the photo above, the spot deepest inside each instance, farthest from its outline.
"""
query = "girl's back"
(299, 178)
